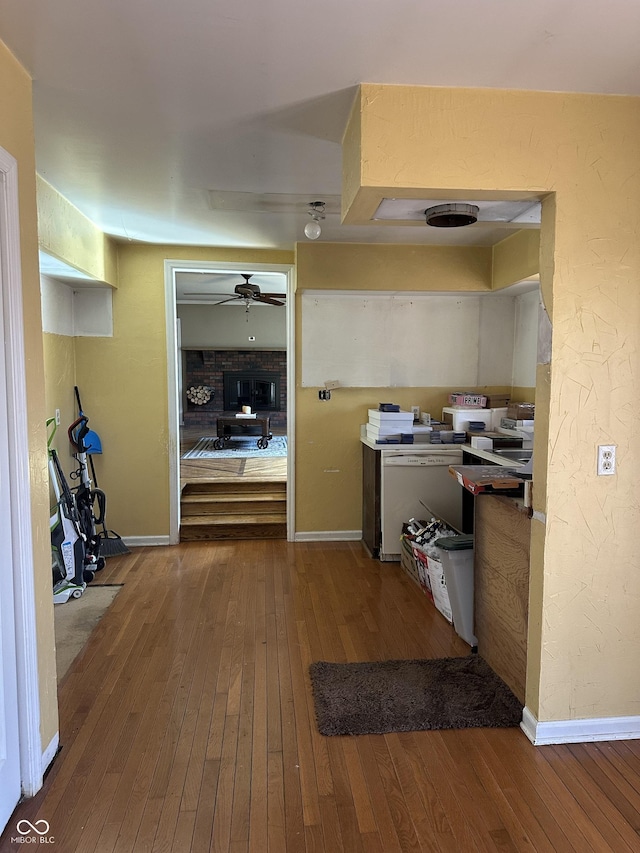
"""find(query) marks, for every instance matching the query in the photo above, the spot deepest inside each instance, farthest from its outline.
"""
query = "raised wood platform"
(233, 510)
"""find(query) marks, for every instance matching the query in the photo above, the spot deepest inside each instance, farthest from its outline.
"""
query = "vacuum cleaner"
(87, 499)
(72, 562)
(85, 444)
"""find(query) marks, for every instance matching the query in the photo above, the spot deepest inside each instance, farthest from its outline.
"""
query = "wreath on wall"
(199, 394)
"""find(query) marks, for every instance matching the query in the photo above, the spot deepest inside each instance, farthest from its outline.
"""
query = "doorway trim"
(171, 267)
(31, 757)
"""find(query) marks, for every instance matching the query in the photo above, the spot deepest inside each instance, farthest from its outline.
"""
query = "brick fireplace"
(208, 368)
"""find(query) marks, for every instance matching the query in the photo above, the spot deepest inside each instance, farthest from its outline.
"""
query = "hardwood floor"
(187, 724)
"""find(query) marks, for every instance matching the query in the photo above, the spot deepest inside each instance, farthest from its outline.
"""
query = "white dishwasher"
(411, 480)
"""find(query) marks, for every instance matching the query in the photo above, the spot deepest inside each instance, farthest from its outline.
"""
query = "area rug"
(238, 445)
(75, 620)
(410, 695)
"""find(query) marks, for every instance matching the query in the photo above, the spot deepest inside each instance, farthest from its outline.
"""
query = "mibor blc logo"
(33, 833)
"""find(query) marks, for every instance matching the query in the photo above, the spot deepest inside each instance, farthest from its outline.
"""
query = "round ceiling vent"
(451, 215)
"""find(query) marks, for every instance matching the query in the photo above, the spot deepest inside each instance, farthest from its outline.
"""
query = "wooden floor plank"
(187, 724)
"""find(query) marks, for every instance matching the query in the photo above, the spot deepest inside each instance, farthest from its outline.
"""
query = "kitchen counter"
(491, 457)
(486, 456)
(417, 447)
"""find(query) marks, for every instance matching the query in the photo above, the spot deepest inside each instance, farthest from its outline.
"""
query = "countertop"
(424, 447)
(417, 447)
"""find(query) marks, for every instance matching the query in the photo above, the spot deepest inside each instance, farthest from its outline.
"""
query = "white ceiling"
(145, 110)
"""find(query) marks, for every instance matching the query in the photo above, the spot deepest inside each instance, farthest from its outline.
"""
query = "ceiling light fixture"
(451, 215)
(312, 230)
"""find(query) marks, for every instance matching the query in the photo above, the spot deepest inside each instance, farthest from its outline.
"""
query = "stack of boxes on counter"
(388, 424)
(476, 419)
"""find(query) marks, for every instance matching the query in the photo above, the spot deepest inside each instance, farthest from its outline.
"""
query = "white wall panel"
(407, 339)
(57, 306)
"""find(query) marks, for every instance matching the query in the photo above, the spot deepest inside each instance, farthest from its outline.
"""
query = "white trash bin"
(456, 554)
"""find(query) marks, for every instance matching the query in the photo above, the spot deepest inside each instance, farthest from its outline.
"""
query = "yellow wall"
(583, 151)
(60, 377)
(515, 258)
(124, 385)
(363, 266)
(69, 236)
(16, 137)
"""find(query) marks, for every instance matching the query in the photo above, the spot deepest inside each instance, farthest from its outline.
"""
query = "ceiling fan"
(248, 292)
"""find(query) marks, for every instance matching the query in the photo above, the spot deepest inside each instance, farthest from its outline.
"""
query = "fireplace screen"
(258, 389)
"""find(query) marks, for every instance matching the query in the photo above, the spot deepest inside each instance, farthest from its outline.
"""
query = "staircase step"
(234, 518)
(233, 497)
(234, 488)
(232, 531)
(220, 509)
(220, 506)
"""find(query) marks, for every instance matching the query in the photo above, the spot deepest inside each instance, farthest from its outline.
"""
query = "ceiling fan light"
(312, 229)
(451, 215)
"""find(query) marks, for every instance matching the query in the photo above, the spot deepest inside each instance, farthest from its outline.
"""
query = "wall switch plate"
(57, 417)
(606, 460)
(416, 412)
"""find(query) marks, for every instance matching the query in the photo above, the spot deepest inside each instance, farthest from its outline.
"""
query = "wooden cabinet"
(371, 525)
(501, 592)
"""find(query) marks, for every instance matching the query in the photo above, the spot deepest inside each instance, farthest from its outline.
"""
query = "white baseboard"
(579, 731)
(328, 536)
(141, 541)
(50, 752)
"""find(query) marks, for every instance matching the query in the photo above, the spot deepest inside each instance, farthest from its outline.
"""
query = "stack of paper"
(389, 426)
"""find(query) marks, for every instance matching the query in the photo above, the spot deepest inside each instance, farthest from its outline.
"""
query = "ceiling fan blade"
(201, 293)
(228, 299)
(267, 299)
(275, 295)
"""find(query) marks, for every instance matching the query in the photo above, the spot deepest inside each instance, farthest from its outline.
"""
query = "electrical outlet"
(324, 394)
(416, 412)
(57, 417)
(606, 459)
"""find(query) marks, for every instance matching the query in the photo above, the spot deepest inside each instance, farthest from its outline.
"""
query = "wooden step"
(225, 504)
(233, 488)
(234, 497)
(236, 518)
(233, 510)
(210, 527)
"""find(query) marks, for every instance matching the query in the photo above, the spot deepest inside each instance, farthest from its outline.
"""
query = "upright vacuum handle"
(77, 440)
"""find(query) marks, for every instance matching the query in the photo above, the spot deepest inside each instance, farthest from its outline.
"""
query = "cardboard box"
(488, 478)
(468, 399)
(422, 568)
(521, 411)
(407, 561)
(497, 401)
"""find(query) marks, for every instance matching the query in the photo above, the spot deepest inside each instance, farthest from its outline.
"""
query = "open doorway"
(230, 345)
